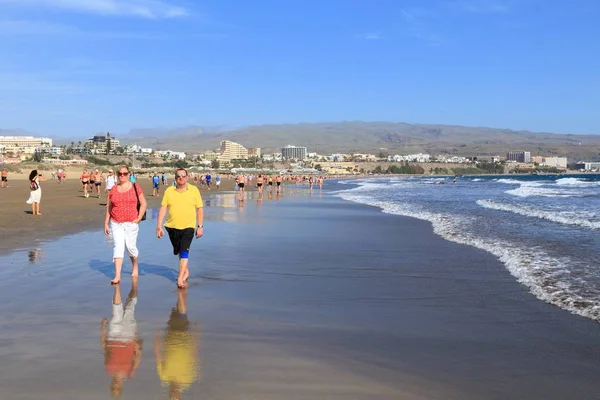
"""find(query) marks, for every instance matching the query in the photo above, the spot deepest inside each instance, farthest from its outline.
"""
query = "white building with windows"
(411, 157)
(54, 150)
(25, 141)
(290, 152)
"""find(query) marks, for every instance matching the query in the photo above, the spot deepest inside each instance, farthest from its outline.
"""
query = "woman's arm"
(143, 206)
(107, 215)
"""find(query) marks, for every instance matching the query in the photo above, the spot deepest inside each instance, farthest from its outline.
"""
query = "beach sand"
(302, 296)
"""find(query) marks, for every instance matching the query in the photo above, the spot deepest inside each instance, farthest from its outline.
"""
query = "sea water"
(544, 228)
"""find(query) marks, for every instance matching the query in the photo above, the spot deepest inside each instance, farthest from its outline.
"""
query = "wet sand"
(298, 297)
(64, 210)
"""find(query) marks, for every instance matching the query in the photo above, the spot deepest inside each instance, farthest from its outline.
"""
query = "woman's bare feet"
(115, 281)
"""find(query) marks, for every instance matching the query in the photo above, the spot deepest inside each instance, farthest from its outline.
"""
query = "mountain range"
(373, 137)
(365, 137)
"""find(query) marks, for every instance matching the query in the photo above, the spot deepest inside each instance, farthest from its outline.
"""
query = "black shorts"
(181, 239)
(97, 183)
(92, 183)
(5, 179)
(241, 185)
(270, 183)
(278, 183)
(259, 184)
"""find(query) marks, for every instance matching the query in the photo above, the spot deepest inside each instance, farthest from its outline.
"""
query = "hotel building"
(232, 151)
(290, 152)
(24, 141)
(519, 156)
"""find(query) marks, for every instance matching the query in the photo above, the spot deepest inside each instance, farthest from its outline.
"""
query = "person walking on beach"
(164, 179)
(85, 180)
(218, 182)
(177, 353)
(259, 184)
(35, 191)
(4, 183)
(110, 181)
(120, 340)
(155, 184)
(98, 182)
(278, 181)
(241, 180)
(208, 178)
(186, 215)
(122, 219)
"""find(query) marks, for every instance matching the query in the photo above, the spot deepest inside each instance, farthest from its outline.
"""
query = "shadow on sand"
(107, 268)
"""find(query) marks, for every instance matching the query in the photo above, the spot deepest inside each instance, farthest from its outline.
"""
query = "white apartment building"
(54, 150)
(254, 152)
(557, 162)
(290, 152)
(25, 141)
(180, 155)
(411, 157)
(135, 149)
(102, 144)
(452, 159)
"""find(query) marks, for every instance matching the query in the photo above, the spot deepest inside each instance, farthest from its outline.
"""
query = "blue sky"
(75, 67)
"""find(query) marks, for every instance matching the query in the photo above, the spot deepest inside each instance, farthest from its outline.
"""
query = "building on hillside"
(19, 149)
(254, 152)
(232, 151)
(135, 149)
(54, 150)
(102, 144)
(290, 152)
(519, 156)
(557, 162)
(170, 154)
(25, 141)
(210, 155)
(411, 157)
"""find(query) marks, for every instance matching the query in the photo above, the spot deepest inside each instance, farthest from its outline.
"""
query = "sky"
(77, 67)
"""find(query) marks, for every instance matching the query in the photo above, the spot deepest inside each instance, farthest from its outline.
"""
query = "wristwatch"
(200, 226)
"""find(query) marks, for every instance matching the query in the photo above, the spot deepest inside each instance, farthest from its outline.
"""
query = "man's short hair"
(181, 169)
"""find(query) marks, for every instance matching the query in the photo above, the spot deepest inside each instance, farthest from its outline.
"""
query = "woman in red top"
(122, 219)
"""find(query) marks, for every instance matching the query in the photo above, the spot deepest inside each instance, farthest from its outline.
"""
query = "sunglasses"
(181, 175)
(123, 173)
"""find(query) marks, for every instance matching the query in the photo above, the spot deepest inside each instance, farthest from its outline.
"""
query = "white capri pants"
(124, 236)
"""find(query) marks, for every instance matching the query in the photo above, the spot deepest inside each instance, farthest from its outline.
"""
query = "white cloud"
(151, 9)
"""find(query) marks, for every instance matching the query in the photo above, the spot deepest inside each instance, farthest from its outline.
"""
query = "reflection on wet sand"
(177, 362)
(34, 254)
(120, 340)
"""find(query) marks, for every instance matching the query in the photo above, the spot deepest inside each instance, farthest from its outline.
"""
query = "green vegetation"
(405, 169)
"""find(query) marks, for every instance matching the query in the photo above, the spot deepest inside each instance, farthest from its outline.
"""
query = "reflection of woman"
(177, 353)
(120, 341)
(35, 191)
(122, 219)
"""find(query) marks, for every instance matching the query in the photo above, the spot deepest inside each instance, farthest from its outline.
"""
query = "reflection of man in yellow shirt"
(177, 358)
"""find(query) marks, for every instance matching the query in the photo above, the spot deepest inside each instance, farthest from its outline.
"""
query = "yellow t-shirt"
(182, 207)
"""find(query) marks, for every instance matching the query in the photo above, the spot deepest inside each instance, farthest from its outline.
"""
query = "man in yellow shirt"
(186, 216)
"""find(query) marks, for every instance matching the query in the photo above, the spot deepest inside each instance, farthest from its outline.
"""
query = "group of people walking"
(126, 208)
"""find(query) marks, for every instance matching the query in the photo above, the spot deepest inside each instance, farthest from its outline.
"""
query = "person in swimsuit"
(98, 182)
(241, 180)
(278, 181)
(270, 182)
(259, 184)
(4, 178)
(85, 181)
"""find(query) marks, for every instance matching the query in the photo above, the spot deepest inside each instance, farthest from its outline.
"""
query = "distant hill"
(358, 136)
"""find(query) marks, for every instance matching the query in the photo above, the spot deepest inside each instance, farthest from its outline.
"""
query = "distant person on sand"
(35, 192)
(98, 182)
(259, 184)
(85, 180)
(186, 216)
(132, 177)
(155, 184)
(122, 219)
(164, 179)
(208, 178)
(120, 340)
(111, 181)
(4, 183)
(218, 182)
(177, 361)
(241, 180)
(278, 181)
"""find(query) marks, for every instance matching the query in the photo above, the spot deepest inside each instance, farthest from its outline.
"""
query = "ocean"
(544, 228)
